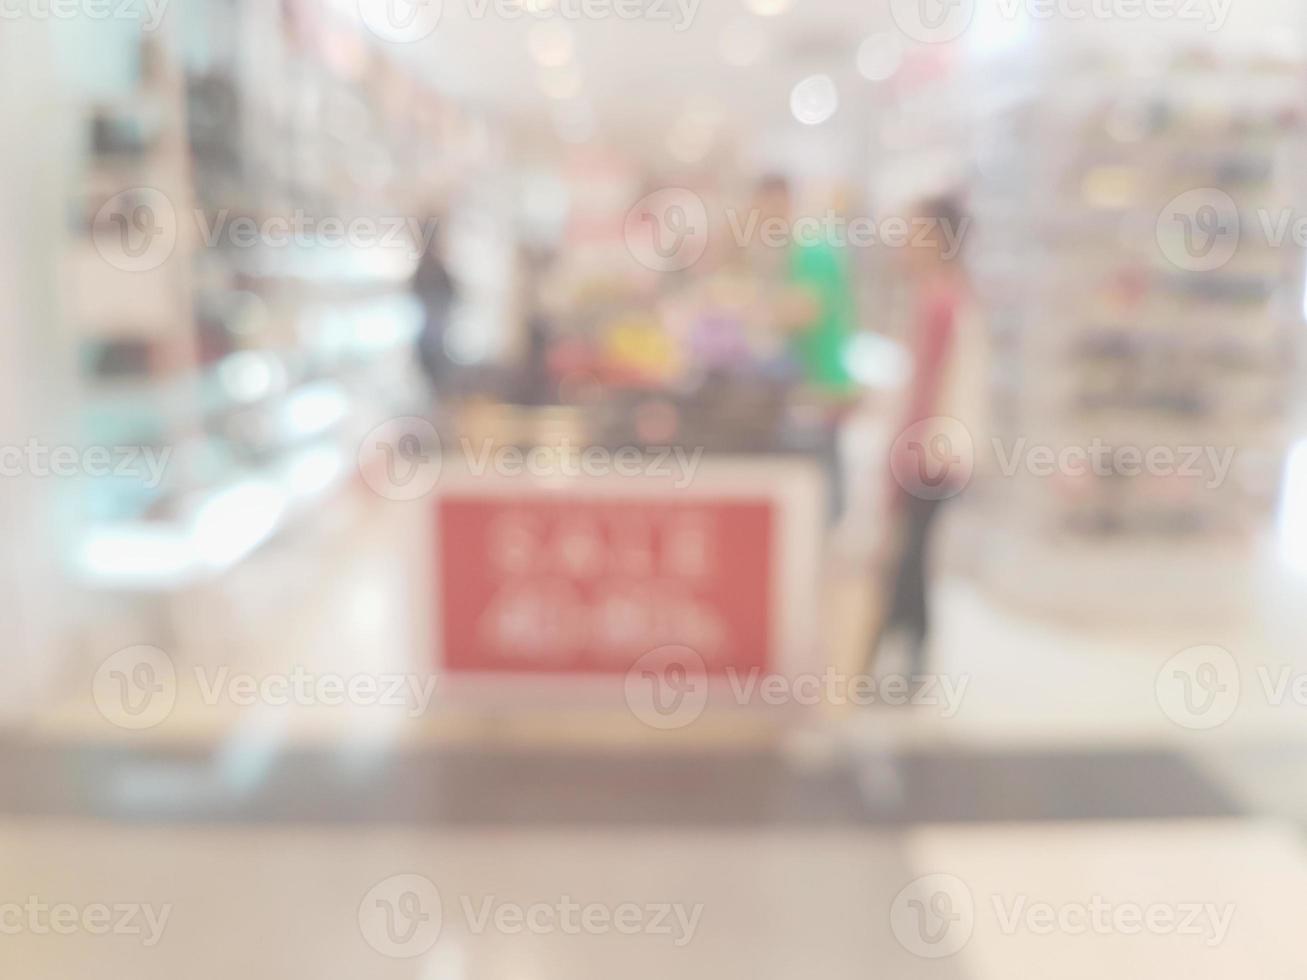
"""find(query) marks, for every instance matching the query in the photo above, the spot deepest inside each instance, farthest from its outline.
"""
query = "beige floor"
(285, 904)
(257, 902)
(1256, 872)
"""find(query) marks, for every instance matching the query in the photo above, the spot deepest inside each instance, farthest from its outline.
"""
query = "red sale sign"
(557, 584)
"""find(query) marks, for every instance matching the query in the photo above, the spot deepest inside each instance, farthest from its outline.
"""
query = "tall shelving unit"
(1105, 326)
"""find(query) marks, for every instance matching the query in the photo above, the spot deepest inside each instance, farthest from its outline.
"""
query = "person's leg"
(893, 614)
(907, 609)
(833, 464)
(916, 600)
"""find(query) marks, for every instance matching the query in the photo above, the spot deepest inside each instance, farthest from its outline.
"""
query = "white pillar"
(35, 371)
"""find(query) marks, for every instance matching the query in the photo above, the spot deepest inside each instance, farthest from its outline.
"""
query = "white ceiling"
(653, 78)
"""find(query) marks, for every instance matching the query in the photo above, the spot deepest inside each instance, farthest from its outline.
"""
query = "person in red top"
(931, 460)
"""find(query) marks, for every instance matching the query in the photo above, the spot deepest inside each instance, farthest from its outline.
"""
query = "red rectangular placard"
(554, 584)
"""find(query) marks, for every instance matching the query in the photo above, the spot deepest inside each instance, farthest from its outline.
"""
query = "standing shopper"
(434, 289)
(942, 422)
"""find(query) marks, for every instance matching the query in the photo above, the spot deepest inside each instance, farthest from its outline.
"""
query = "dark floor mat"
(468, 787)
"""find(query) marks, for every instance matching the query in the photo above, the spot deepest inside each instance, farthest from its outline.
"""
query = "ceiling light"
(880, 56)
(814, 100)
(551, 44)
(743, 43)
(768, 8)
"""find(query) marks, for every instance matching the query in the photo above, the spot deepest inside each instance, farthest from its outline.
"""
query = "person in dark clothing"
(434, 288)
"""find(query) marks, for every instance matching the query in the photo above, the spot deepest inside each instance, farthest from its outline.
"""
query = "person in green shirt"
(814, 305)
(821, 269)
(815, 302)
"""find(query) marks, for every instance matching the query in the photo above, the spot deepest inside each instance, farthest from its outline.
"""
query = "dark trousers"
(909, 603)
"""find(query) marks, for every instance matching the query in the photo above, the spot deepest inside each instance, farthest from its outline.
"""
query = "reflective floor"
(1066, 818)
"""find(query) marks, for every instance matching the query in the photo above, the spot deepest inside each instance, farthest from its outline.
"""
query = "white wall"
(32, 213)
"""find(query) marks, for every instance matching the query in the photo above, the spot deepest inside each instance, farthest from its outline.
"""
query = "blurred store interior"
(816, 463)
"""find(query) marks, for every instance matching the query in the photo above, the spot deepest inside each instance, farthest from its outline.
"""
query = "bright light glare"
(880, 56)
(769, 8)
(235, 522)
(814, 100)
(1293, 510)
(551, 44)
